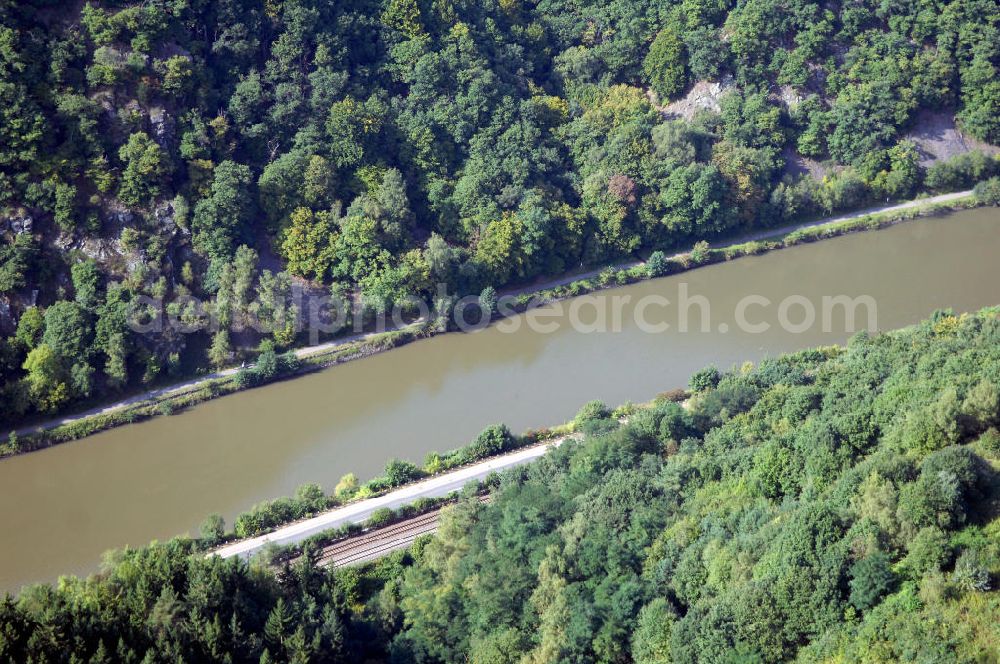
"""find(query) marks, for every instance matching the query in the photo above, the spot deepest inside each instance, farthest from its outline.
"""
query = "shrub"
(871, 579)
(267, 365)
(347, 485)
(933, 500)
(398, 473)
(623, 411)
(13, 443)
(593, 410)
(245, 378)
(381, 517)
(264, 516)
(373, 487)
(928, 552)
(675, 423)
(310, 499)
(971, 573)
(433, 463)
(288, 362)
(981, 405)
(705, 379)
(676, 395)
(957, 461)
(960, 171)
(213, 529)
(700, 253)
(488, 300)
(988, 191)
(990, 441)
(658, 264)
(493, 440)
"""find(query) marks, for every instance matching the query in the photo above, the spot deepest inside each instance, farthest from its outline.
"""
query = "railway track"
(381, 541)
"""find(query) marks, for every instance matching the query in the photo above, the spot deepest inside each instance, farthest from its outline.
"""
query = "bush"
(651, 640)
(310, 499)
(981, 406)
(246, 378)
(266, 368)
(488, 301)
(213, 529)
(593, 410)
(990, 441)
(700, 253)
(971, 573)
(288, 362)
(398, 473)
(658, 265)
(928, 552)
(960, 171)
(871, 579)
(675, 423)
(346, 487)
(932, 501)
(493, 440)
(676, 395)
(264, 516)
(705, 379)
(988, 191)
(380, 517)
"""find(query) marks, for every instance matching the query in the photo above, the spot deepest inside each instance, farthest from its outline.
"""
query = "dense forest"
(233, 152)
(838, 504)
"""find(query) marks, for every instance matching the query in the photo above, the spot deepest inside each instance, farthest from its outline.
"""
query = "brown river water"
(64, 506)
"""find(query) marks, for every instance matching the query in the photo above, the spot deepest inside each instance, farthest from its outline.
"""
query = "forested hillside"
(231, 149)
(833, 505)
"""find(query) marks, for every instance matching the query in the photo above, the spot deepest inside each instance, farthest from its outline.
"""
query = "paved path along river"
(65, 505)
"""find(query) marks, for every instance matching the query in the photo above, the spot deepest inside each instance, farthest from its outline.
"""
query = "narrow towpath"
(916, 203)
(752, 237)
(196, 383)
(358, 512)
(308, 351)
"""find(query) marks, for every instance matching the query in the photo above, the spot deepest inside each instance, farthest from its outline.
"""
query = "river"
(64, 506)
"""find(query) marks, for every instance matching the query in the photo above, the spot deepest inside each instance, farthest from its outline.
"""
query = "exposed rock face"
(163, 126)
(100, 250)
(64, 241)
(703, 95)
(789, 97)
(163, 217)
(7, 324)
(19, 222)
(120, 218)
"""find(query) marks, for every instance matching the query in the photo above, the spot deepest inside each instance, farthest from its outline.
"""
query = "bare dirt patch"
(937, 137)
(796, 164)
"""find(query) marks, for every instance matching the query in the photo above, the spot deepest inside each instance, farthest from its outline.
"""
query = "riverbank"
(162, 477)
(171, 399)
(361, 511)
